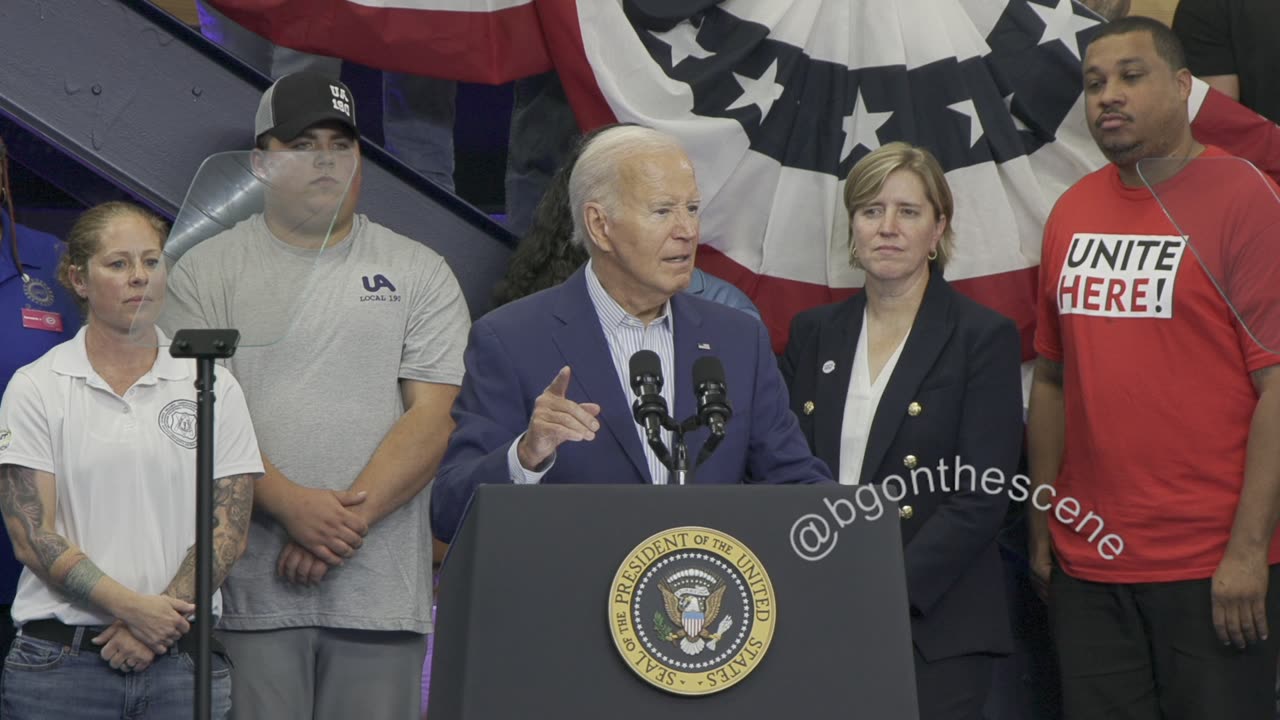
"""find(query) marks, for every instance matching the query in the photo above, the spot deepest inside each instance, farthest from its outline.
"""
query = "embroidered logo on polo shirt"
(37, 291)
(6, 437)
(178, 421)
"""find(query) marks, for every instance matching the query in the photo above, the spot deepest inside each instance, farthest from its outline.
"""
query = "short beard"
(1159, 142)
(1127, 154)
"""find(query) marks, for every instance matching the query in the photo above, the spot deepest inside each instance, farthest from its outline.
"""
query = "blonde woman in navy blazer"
(903, 376)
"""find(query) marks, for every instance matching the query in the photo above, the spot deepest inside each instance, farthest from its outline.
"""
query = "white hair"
(596, 176)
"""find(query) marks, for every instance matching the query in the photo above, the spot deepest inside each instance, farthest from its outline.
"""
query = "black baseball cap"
(298, 101)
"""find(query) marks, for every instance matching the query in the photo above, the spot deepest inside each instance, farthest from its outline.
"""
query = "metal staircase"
(111, 99)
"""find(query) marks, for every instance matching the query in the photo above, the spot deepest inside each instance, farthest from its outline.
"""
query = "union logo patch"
(37, 291)
(178, 421)
(692, 611)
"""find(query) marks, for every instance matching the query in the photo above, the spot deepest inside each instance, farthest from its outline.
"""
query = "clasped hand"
(123, 651)
(324, 532)
(149, 626)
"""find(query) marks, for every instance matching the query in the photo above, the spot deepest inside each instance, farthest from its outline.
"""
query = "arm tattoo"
(183, 584)
(232, 508)
(24, 514)
(232, 498)
(81, 580)
(20, 501)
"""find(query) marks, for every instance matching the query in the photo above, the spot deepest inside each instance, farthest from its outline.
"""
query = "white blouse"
(860, 406)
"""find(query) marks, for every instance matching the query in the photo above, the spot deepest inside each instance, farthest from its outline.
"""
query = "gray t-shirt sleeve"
(437, 327)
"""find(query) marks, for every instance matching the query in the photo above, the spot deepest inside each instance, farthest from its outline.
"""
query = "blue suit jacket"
(515, 351)
(955, 392)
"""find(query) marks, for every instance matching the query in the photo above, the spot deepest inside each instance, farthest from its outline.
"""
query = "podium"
(567, 601)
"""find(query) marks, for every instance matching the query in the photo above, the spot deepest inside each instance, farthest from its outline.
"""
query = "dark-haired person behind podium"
(905, 376)
(547, 397)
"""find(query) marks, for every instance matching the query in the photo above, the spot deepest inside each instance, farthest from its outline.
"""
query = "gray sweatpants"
(325, 674)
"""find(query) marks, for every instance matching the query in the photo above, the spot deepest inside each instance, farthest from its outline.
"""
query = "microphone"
(649, 407)
(712, 394)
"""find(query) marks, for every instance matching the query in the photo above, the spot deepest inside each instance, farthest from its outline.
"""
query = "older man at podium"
(549, 379)
(547, 396)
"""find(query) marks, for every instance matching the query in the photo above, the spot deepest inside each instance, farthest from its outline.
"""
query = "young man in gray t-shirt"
(351, 360)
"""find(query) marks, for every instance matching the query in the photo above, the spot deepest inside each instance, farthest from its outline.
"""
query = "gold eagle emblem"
(694, 609)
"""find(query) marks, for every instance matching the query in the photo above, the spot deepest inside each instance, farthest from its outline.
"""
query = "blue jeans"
(46, 680)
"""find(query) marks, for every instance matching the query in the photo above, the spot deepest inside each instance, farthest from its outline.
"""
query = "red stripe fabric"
(1240, 131)
(559, 19)
(484, 47)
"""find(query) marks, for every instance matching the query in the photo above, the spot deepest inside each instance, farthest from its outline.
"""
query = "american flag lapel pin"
(704, 346)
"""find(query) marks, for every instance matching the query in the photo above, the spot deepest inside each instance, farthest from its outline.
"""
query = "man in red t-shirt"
(1154, 424)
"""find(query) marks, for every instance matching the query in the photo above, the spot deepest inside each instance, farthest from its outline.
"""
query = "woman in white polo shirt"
(97, 489)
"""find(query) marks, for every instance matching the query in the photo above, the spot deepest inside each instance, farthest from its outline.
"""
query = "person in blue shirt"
(708, 286)
(36, 313)
(40, 312)
(545, 257)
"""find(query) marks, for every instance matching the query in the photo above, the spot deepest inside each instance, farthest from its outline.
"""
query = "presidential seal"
(178, 421)
(692, 611)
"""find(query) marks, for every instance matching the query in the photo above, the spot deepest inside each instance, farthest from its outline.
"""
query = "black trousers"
(1148, 651)
(953, 688)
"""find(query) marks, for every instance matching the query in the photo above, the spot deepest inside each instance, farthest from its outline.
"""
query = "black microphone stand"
(204, 346)
(650, 405)
(708, 447)
(677, 462)
(659, 448)
(680, 469)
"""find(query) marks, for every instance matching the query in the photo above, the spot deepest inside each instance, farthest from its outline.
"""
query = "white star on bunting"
(760, 92)
(1017, 121)
(860, 128)
(967, 108)
(1061, 23)
(683, 39)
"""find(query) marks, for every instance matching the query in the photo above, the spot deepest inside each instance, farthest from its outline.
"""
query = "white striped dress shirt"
(625, 335)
